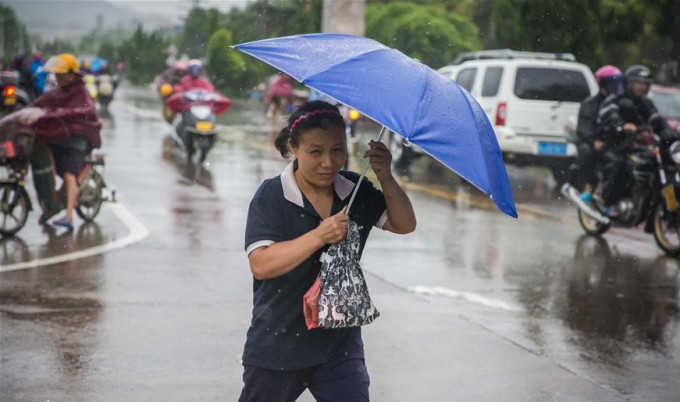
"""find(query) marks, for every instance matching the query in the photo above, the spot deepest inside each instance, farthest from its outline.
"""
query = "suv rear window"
(492, 80)
(551, 84)
(466, 78)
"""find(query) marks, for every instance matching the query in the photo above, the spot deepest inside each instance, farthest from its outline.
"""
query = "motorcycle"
(105, 89)
(195, 117)
(13, 96)
(91, 85)
(653, 181)
(17, 143)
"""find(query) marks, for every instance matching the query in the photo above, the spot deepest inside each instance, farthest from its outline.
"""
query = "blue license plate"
(552, 148)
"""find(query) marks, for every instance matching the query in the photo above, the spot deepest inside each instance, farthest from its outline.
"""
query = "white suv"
(529, 98)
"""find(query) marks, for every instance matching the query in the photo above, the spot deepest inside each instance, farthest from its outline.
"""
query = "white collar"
(291, 190)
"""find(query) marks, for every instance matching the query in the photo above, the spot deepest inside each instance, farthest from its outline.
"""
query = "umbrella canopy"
(402, 94)
(97, 63)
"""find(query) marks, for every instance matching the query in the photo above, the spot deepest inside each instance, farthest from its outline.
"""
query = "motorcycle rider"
(20, 65)
(280, 94)
(38, 72)
(589, 142)
(194, 78)
(105, 82)
(620, 117)
(67, 129)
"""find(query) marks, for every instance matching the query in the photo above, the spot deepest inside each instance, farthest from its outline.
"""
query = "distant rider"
(589, 141)
(38, 72)
(194, 78)
(20, 65)
(280, 94)
(65, 122)
(620, 117)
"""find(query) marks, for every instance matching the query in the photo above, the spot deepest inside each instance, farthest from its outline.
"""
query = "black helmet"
(639, 73)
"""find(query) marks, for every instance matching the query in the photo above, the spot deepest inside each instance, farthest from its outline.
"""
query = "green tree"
(597, 32)
(144, 55)
(225, 66)
(664, 29)
(539, 25)
(13, 35)
(56, 46)
(266, 19)
(428, 33)
(199, 26)
(109, 52)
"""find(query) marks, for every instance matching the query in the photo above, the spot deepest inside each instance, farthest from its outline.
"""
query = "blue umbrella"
(403, 95)
(97, 63)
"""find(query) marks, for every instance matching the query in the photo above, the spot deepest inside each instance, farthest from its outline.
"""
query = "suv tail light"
(9, 91)
(501, 109)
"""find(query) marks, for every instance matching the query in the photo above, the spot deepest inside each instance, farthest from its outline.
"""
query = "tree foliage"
(199, 26)
(538, 25)
(428, 33)
(620, 32)
(597, 32)
(144, 55)
(109, 52)
(266, 19)
(225, 66)
(13, 35)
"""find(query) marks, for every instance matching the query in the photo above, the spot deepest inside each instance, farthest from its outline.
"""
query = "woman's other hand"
(381, 159)
(334, 228)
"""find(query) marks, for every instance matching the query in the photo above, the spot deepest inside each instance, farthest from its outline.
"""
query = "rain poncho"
(188, 83)
(68, 111)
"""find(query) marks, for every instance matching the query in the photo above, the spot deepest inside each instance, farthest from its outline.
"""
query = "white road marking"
(467, 296)
(137, 232)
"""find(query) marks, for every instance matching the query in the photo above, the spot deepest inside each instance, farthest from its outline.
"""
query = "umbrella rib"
(420, 106)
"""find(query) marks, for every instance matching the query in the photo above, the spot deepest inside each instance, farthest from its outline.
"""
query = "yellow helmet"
(62, 64)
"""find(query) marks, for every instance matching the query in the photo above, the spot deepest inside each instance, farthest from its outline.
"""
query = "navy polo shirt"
(278, 338)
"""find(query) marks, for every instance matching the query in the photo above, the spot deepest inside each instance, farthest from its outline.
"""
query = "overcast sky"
(177, 7)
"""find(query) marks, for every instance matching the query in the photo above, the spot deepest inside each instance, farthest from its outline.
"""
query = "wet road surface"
(474, 305)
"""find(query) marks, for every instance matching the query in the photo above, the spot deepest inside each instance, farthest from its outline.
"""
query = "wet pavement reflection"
(165, 318)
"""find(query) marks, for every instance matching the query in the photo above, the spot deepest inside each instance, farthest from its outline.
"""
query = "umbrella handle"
(363, 174)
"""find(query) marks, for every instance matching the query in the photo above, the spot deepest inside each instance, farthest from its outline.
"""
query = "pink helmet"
(607, 72)
(610, 79)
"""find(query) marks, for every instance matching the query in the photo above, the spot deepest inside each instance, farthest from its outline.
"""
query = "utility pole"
(344, 16)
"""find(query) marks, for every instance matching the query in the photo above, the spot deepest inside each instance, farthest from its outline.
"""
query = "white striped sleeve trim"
(258, 244)
(382, 220)
(606, 109)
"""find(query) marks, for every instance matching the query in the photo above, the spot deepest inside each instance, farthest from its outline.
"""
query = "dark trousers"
(584, 170)
(343, 379)
(616, 177)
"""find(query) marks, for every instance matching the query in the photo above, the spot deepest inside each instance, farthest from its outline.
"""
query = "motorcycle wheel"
(14, 207)
(90, 198)
(667, 229)
(205, 144)
(590, 225)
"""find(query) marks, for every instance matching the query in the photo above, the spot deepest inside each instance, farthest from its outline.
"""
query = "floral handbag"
(339, 297)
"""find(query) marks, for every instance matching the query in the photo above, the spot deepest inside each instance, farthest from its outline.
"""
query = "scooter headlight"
(674, 149)
(354, 115)
(201, 112)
